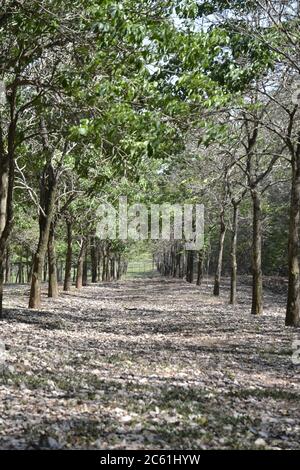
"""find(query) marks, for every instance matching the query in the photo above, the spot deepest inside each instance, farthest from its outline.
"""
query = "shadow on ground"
(147, 363)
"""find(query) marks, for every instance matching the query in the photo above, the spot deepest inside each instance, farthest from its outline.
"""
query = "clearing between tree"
(150, 364)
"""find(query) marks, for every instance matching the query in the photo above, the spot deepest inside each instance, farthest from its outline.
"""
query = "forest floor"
(147, 364)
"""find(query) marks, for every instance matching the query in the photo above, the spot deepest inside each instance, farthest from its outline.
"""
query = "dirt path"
(147, 363)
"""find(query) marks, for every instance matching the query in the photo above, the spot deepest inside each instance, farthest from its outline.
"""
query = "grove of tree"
(164, 102)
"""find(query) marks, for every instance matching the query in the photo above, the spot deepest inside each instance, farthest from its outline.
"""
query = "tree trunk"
(21, 271)
(61, 271)
(200, 268)
(233, 279)
(178, 262)
(52, 265)
(6, 207)
(173, 260)
(182, 264)
(68, 266)
(45, 275)
(47, 192)
(4, 225)
(220, 255)
(107, 272)
(119, 269)
(103, 266)
(257, 282)
(1, 287)
(7, 179)
(29, 271)
(80, 264)
(94, 260)
(190, 267)
(112, 268)
(293, 300)
(85, 269)
(7, 266)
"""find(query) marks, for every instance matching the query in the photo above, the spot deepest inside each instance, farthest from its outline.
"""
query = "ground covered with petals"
(147, 364)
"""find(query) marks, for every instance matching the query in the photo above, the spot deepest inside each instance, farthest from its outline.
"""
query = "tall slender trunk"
(45, 275)
(220, 254)
(173, 260)
(7, 266)
(21, 271)
(190, 267)
(94, 260)
(7, 178)
(1, 288)
(99, 267)
(107, 272)
(60, 274)
(27, 264)
(80, 264)
(200, 268)
(68, 265)
(47, 192)
(29, 270)
(85, 269)
(4, 226)
(112, 268)
(178, 262)
(233, 279)
(165, 263)
(257, 281)
(52, 265)
(103, 266)
(119, 269)
(293, 300)
(115, 268)
(4, 181)
(182, 265)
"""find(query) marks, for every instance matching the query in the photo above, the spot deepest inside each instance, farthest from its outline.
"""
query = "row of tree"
(174, 101)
